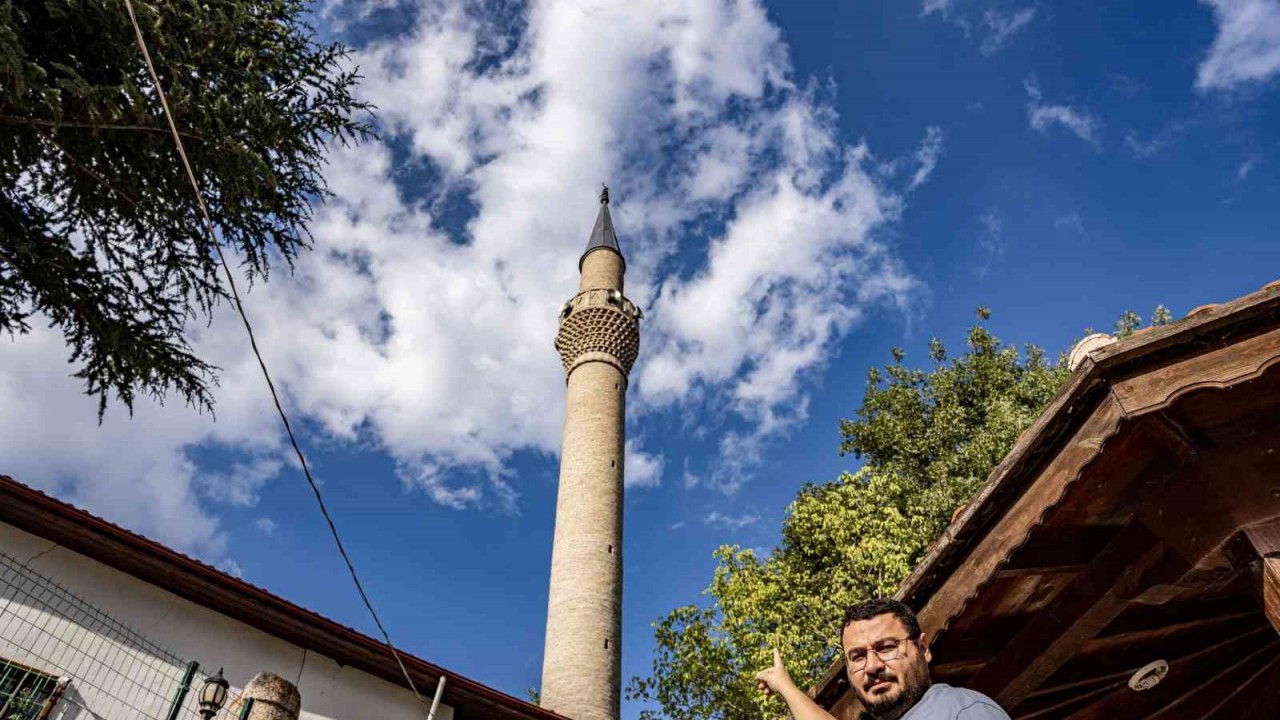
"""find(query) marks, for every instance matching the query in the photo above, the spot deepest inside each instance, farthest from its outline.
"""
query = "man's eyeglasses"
(888, 650)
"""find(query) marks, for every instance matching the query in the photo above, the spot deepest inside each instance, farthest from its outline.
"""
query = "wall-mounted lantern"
(213, 695)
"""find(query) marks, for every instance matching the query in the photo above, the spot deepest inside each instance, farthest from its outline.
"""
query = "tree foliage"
(1131, 321)
(927, 439)
(100, 233)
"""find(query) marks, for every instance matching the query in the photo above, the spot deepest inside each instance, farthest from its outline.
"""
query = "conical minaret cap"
(603, 236)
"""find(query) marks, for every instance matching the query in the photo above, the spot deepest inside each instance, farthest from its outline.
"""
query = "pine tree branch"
(84, 168)
(56, 124)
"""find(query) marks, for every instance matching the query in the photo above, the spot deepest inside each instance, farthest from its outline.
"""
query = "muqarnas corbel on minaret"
(598, 341)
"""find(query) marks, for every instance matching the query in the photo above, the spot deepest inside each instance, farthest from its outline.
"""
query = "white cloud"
(993, 227)
(642, 469)
(993, 29)
(239, 485)
(434, 346)
(730, 522)
(433, 480)
(1126, 86)
(689, 479)
(991, 240)
(740, 453)
(1246, 168)
(927, 156)
(921, 163)
(1247, 47)
(231, 567)
(946, 9)
(761, 311)
(941, 7)
(136, 471)
(717, 172)
(1144, 148)
(1077, 121)
(1070, 221)
(266, 525)
(1001, 27)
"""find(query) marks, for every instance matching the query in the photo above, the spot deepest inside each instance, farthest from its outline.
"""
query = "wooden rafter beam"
(1092, 668)
(1258, 698)
(1168, 627)
(1076, 698)
(1175, 633)
(1185, 675)
(1202, 694)
(1133, 562)
(1062, 552)
(1109, 676)
(1179, 615)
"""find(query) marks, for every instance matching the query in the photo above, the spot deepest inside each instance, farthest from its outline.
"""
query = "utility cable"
(253, 343)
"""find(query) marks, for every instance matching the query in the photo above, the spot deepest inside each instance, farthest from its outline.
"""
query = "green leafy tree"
(100, 233)
(928, 439)
(1161, 316)
(1130, 321)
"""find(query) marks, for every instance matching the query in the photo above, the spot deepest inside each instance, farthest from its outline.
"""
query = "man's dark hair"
(882, 606)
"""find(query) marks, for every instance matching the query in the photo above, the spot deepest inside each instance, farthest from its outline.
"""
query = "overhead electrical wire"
(253, 343)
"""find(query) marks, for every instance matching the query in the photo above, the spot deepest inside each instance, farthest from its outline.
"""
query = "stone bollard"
(274, 698)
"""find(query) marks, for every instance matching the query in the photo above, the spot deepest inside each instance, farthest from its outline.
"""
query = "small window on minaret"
(613, 463)
(606, 643)
(610, 549)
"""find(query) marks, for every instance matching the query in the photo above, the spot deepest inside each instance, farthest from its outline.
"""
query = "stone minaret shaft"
(598, 340)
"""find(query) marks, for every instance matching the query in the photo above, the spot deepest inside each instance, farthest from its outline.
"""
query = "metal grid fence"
(62, 658)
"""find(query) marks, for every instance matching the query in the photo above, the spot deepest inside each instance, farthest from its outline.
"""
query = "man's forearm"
(802, 706)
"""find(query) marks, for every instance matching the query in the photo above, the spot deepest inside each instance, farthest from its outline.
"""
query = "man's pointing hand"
(774, 679)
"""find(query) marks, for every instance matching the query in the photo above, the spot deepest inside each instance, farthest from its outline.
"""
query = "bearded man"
(887, 658)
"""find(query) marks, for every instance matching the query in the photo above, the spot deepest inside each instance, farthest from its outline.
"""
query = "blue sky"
(798, 187)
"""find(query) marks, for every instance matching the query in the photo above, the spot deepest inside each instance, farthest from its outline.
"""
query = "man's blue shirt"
(943, 702)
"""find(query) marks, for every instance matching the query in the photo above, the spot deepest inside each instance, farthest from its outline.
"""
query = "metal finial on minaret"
(603, 236)
(598, 341)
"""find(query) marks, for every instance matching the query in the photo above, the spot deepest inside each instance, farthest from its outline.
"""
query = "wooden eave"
(76, 530)
(1098, 566)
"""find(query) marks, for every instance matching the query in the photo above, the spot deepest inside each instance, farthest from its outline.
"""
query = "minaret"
(598, 340)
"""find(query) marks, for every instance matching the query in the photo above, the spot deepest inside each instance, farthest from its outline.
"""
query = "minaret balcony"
(599, 297)
(599, 324)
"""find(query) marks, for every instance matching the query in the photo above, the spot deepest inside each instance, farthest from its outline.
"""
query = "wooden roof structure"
(1136, 523)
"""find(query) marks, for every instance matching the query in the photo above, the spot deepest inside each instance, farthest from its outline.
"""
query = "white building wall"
(34, 634)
